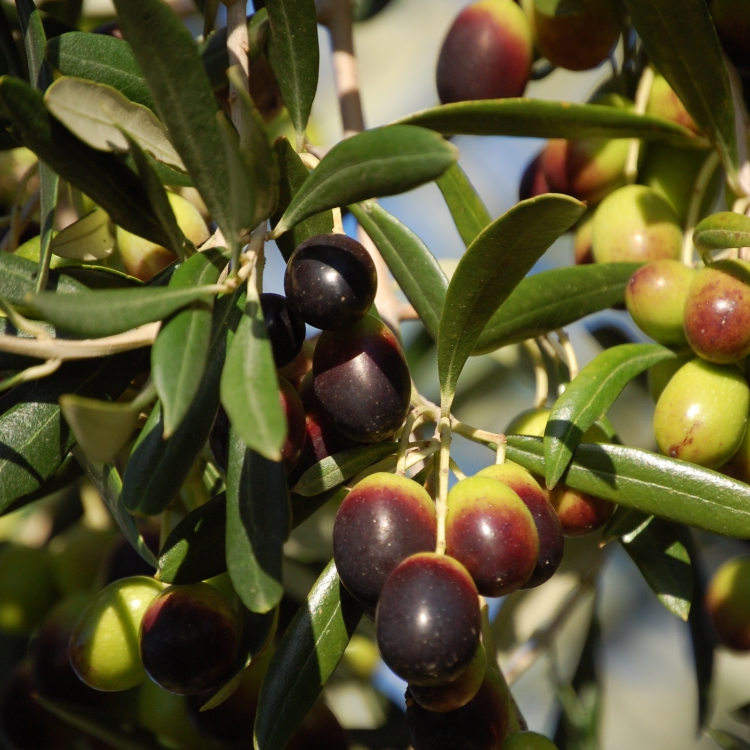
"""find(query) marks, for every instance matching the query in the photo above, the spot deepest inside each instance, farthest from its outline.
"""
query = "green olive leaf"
(656, 547)
(722, 230)
(18, 281)
(180, 352)
(335, 469)
(375, 163)
(34, 42)
(553, 299)
(467, 209)
(97, 313)
(92, 111)
(292, 176)
(258, 524)
(102, 59)
(157, 467)
(657, 485)
(624, 521)
(413, 266)
(304, 660)
(171, 64)
(533, 118)
(589, 397)
(493, 265)
(294, 55)
(100, 175)
(249, 386)
(680, 39)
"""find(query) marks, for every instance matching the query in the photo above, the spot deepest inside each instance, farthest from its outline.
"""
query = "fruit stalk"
(540, 373)
(702, 182)
(444, 432)
(641, 101)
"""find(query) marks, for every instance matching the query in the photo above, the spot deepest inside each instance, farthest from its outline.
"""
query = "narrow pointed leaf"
(258, 524)
(624, 521)
(107, 312)
(106, 479)
(169, 59)
(49, 183)
(722, 230)
(101, 428)
(294, 55)
(657, 549)
(180, 245)
(681, 41)
(34, 42)
(102, 176)
(103, 59)
(249, 387)
(493, 265)
(18, 280)
(304, 660)
(87, 239)
(34, 437)
(375, 163)
(243, 187)
(533, 118)
(195, 549)
(92, 112)
(656, 485)
(469, 213)
(335, 469)
(158, 467)
(589, 397)
(413, 266)
(553, 299)
(180, 352)
(292, 176)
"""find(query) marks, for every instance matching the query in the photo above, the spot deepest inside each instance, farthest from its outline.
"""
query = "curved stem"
(540, 373)
(456, 469)
(31, 373)
(641, 101)
(570, 352)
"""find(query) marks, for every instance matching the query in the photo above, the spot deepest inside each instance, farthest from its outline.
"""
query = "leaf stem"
(444, 433)
(702, 182)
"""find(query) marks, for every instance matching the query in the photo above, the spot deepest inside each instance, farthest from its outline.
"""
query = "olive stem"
(22, 324)
(741, 206)
(541, 377)
(429, 448)
(338, 222)
(444, 432)
(570, 352)
(31, 373)
(404, 441)
(456, 469)
(474, 433)
(641, 101)
(524, 655)
(238, 46)
(501, 445)
(699, 191)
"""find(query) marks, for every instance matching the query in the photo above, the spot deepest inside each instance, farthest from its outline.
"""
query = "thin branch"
(238, 47)
(641, 101)
(702, 182)
(541, 377)
(441, 505)
(31, 373)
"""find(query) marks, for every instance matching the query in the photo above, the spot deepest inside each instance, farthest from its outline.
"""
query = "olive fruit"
(481, 724)
(454, 694)
(533, 182)
(717, 311)
(286, 330)
(702, 412)
(104, 643)
(27, 588)
(143, 258)
(382, 521)
(529, 422)
(296, 370)
(738, 466)
(294, 412)
(588, 169)
(78, 554)
(491, 532)
(663, 102)
(189, 638)
(637, 224)
(331, 281)
(362, 381)
(582, 240)
(579, 512)
(486, 54)
(574, 37)
(655, 298)
(728, 603)
(551, 539)
(427, 619)
(659, 375)
(528, 741)
(732, 21)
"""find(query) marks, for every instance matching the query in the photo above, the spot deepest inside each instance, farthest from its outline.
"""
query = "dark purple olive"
(362, 380)
(286, 330)
(331, 281)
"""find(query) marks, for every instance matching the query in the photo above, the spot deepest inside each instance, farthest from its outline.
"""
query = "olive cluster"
(501, 534)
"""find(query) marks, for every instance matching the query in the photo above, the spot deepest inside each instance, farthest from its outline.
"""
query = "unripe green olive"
(27, 588)
(528, 741)
(635, 224)
(728, 603)
(655, 298)
(659, 375)
(702, 413)
(104, 643)
(143, 258)
(663, 102)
